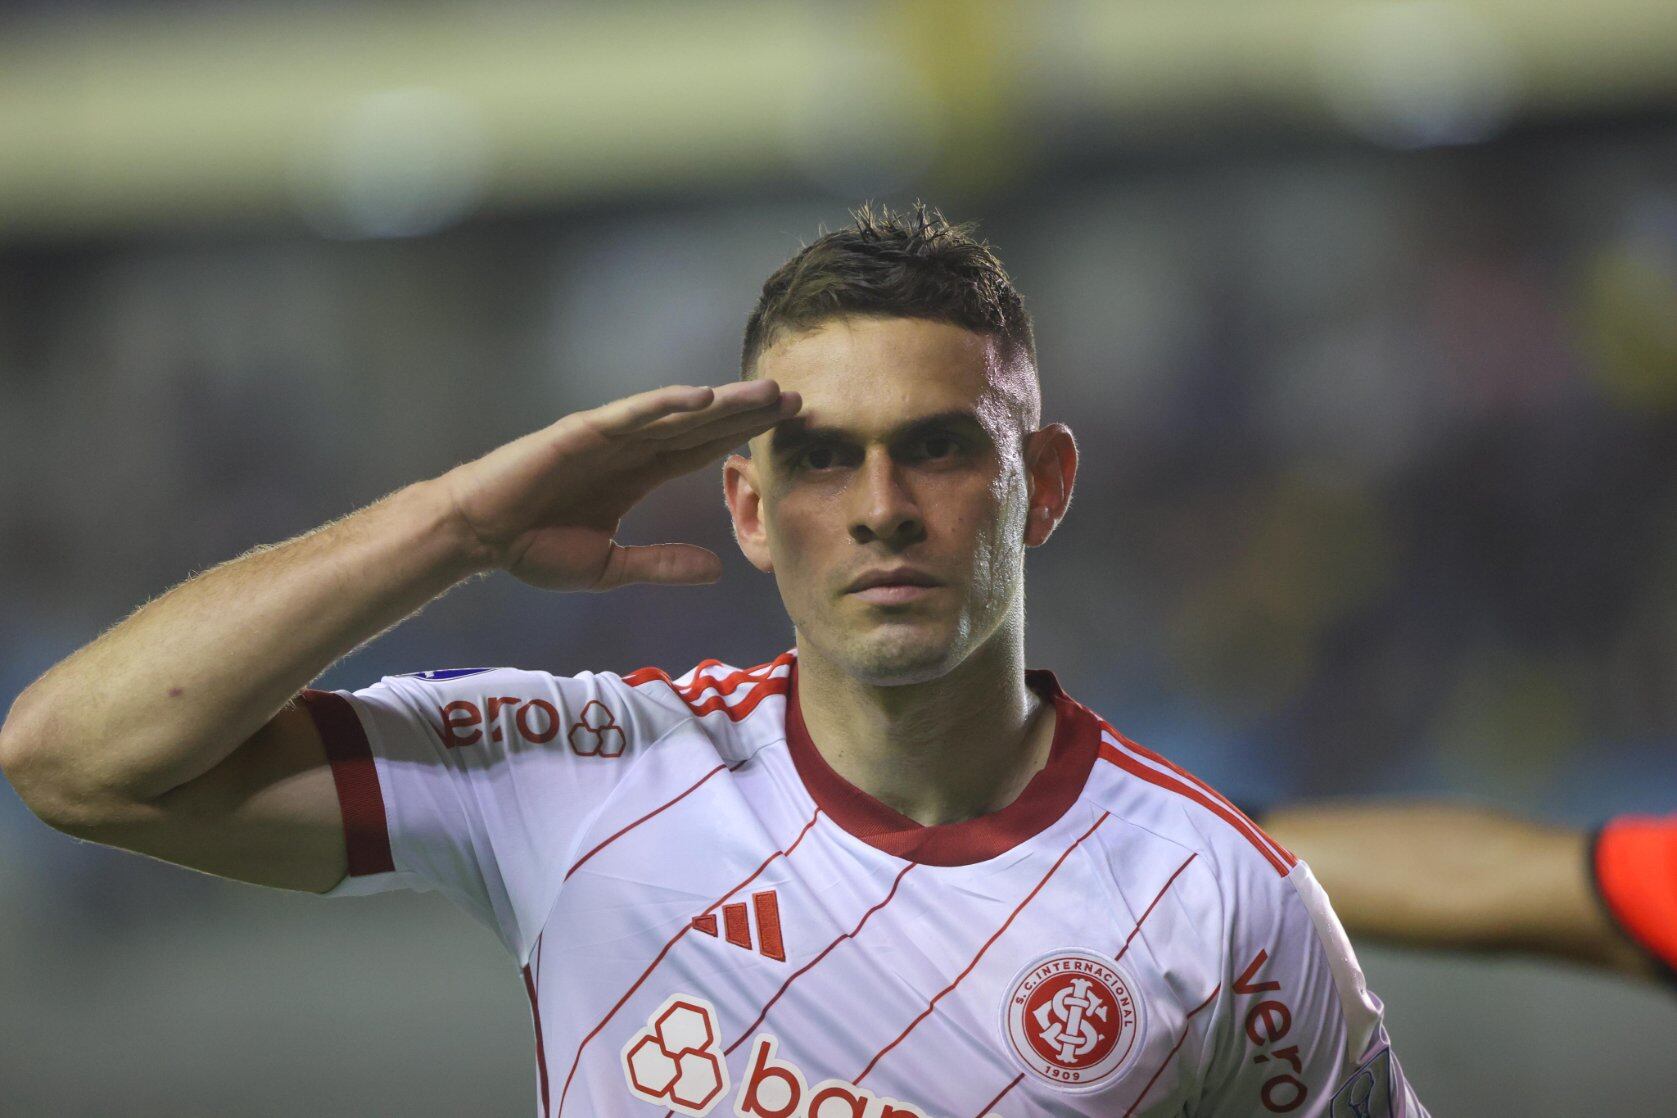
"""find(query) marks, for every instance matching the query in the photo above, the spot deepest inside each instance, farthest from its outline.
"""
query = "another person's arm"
(173, 734)
(1447, 876)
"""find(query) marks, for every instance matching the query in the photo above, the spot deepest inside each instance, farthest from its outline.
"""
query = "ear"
(1050, 472)
(740, 488)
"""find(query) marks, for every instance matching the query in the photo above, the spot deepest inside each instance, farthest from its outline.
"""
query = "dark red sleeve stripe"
(366, 831)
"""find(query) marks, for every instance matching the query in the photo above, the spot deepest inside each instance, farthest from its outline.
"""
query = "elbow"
(29, 764)
(18, 763)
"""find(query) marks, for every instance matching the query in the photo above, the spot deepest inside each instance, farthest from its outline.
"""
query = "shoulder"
(1146, 790)
(712, 687)
(600, 713)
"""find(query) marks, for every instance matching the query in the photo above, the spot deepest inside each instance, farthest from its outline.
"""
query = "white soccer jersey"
(737, 930)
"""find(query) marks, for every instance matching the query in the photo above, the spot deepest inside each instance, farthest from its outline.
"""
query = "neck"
(942, 751)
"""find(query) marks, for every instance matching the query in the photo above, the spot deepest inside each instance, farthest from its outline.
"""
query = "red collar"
(1047, 797)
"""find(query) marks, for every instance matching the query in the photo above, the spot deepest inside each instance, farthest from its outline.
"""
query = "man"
(887, 873)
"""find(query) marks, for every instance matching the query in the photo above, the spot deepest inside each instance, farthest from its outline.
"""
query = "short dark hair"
(908, 264)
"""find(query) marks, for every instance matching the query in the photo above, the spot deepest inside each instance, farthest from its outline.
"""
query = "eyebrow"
(795, 434)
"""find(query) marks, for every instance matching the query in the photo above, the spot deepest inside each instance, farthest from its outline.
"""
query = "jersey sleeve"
(1295, 1028)
(477, 783)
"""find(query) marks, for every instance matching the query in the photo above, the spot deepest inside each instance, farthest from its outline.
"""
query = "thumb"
(670, 564)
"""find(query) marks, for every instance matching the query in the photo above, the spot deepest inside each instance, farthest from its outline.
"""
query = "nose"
(884, 509)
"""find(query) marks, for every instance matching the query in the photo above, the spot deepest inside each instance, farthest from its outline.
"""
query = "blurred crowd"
(1377, 449)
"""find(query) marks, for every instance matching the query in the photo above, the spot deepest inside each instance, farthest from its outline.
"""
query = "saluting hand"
(546, 506)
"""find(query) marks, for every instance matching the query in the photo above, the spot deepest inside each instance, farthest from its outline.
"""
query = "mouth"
(895, 586)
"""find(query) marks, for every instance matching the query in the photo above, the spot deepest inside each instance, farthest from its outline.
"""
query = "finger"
(738, 428)
(667, 564)
(730, 400)
(697, 457)
(620, 417)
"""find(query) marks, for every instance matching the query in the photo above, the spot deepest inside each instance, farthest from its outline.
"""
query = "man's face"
(905, 469)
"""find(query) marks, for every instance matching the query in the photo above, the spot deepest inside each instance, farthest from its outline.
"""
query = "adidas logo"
(737, 921)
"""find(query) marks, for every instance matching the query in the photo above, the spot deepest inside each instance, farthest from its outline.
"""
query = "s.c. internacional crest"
(1073, 1019)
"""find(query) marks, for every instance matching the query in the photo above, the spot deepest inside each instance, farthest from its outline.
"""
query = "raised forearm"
(167, 694)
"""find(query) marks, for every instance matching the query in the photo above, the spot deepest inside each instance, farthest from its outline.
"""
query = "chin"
(898, 659)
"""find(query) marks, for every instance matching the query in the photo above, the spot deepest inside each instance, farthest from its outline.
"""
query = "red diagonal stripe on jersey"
(536, 1018)
(766, 908)
(675, 939)
(1163, 889)
(932, 1005)
(1281, 851)
(991, 1105)
(1163, 1064)
(661, 807)
(825, 951)
(1163, 780)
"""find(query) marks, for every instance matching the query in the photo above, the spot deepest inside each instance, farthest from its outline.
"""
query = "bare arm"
(172, 735)
(1454, 877)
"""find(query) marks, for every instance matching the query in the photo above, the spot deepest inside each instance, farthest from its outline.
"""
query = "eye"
(936, 448)
(818, 458)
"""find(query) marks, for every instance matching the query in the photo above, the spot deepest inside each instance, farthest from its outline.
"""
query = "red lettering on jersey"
(457, 716)
(1283, 1093)
(790, 1085)
(1243, 984)
(536, 721)
(836, 1092)
(773, 1089)
(527, 725)
(1267, 1022)
(494, 718)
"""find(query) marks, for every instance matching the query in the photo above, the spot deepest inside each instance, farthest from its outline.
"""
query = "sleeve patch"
(1367, 1092)
(443, 674)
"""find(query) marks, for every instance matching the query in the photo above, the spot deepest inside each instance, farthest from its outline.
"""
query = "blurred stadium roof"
(377, 120)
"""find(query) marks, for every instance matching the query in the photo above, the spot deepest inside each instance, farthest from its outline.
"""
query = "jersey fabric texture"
(710, 920)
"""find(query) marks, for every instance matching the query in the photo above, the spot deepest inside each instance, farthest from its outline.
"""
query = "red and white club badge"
(1073, 1018)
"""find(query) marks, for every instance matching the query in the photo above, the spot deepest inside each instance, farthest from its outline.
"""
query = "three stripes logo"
(737, 922)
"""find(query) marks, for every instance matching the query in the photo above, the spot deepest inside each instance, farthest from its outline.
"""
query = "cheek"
(1002, 537)
(794, 531)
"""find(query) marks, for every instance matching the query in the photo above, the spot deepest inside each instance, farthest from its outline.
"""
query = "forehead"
(870, 374)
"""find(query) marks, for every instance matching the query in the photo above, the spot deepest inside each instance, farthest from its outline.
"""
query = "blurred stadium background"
(1366, 315)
